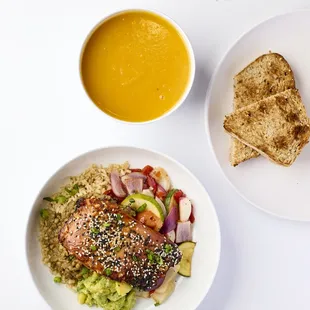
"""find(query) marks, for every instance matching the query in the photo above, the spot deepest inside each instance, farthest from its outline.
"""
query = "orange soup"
(135, 66)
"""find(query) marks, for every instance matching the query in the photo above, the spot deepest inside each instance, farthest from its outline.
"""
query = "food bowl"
(137, 66)
(206, 232)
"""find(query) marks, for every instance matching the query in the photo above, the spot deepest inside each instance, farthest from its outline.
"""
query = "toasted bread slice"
(266, 76)
(277, 127)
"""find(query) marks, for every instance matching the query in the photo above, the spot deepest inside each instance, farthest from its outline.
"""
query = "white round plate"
(281, 191)
(189, 292)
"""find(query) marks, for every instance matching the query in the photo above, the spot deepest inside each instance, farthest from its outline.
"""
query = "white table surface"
(46, 119)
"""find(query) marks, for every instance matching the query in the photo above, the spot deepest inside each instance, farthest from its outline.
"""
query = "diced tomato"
(151, 183)
(147, 170)
(192, 217)
(136, 170)
(178, 195)
(152, 291)
(160, 193)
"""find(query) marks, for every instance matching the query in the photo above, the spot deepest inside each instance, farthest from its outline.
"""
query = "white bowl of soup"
(137, 66)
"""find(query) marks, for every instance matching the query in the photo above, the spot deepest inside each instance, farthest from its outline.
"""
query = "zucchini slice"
(187, 248)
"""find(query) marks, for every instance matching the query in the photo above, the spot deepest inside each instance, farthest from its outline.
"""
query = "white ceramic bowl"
(186, 42)
(189, 292)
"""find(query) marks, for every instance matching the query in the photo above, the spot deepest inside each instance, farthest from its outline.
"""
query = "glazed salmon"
(107, 240)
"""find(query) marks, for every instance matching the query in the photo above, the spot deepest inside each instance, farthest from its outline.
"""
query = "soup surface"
(135, 66)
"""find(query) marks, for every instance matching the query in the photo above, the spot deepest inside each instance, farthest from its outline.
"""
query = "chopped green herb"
(131, 200)
(57, 279)
(117, 249)
(135, 258)
(154, 258)
(72, 191)
(84, 271)
(94, 230)
(71, 258)
(118, 217)
(108, 271)
(142, 208)
(159, 260)
(106, 224)
(157, 304)
(168, 248)
(44, 213)
(93, 247)
(150, 255)
(68, 190)
(61, 199)
(48, 199)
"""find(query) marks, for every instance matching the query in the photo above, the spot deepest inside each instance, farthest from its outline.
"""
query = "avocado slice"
(135, 201)
(123, 288)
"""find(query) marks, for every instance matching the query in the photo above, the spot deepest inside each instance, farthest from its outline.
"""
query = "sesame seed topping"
(112, 243)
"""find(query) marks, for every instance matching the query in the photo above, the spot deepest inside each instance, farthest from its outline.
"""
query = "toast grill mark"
(292, 117)
(299, 131)
(280, 142)
(110, 242)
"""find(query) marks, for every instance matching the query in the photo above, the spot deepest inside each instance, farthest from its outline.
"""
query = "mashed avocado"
(102, 292)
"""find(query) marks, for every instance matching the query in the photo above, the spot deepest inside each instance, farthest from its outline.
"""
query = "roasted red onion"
(152, 183)
(147, 192)
(136, 175)
(170, 222)
(133, 185)
(117, 185)
(183, 232)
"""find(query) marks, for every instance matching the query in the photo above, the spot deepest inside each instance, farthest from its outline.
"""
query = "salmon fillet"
(107, 240)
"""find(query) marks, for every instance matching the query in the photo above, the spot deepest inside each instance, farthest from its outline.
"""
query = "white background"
(46, 119)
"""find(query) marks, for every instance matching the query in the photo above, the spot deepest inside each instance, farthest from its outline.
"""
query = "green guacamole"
(101, 292)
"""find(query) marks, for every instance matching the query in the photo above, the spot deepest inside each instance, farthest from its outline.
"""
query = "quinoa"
(93, 182)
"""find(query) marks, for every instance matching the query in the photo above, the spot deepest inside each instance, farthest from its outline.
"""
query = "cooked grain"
(94, 181)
